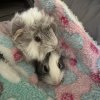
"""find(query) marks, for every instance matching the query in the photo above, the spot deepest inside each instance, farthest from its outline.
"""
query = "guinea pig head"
(51, 70)
(34, 33)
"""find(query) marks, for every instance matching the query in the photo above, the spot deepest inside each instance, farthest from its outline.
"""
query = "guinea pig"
(51, 69)
(33, 32)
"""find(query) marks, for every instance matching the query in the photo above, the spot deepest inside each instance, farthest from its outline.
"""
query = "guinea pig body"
(51, 69)
(33, 32)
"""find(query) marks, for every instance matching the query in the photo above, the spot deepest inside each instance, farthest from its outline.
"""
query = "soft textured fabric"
(83, 55)
(88, 11)
(82, 75)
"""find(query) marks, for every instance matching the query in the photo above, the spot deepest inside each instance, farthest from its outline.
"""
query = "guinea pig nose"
(59, 82)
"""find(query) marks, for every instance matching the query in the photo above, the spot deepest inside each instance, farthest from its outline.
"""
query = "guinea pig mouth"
(50, 82)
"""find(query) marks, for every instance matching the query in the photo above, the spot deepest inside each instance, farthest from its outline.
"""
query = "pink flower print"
(96, 77)
(64, 45)
(73, 62)
(67, 96)
(94, 48)
(17, 55)
(64, 20)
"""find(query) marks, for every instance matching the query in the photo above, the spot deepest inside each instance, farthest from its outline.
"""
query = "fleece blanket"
(89, 14)
(82, 75)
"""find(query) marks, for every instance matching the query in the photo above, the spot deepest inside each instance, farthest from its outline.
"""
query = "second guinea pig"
(51, 69)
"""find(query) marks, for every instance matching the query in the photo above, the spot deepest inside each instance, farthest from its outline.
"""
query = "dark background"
(9, 7)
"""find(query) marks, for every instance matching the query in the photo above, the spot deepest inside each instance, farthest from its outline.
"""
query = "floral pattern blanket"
(82, 75)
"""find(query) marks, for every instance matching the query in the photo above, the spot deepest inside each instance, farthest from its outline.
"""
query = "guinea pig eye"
(37, 39)
(60, 65)
(45, 69)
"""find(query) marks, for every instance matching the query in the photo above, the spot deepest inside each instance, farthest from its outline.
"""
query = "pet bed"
(82, 76)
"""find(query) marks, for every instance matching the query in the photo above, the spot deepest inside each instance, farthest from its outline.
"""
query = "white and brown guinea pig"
(33, 32)
(51, 69)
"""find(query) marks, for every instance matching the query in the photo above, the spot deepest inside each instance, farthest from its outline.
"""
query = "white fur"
(56, 74)
(33, 51)
(20, 70)
(31, 15)
(11, 67)
(7, 53)
(8, 73)
(34, 15)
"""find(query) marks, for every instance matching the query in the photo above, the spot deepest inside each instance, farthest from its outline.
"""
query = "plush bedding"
(82, 75)
(88, 12)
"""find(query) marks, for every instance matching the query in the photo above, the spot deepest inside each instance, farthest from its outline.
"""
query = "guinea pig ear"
(17, 34)
(17, 23)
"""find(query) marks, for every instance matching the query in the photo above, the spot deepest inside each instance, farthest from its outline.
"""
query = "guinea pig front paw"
(33, 79)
